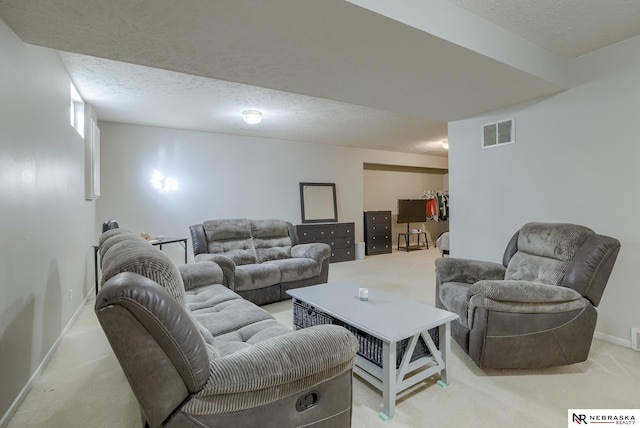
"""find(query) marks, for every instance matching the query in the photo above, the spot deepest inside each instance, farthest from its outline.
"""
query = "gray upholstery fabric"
(467, 271)
(227, 265)
(589, 271)
(200, 274)
(293, 269)
(522, 291)
(553, 240)
(231, 237)
(527, 267)
(275, 368)
(311, 251)
(544, 251)
(271, 239)
(254, 276)
(260, 259)
(544, 299)
(333, 410)
(105, 243)
(454, 296)
(216, 358)
(112, 232)
(166, 318)
(245, 337)
(229, 316)
(142, 258)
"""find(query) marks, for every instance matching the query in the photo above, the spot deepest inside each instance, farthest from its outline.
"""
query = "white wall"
(575, 160)
(47, 227)
(225, 176)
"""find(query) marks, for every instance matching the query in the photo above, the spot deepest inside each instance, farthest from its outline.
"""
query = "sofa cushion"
(140, 257)
(527, 267)
(271, 239)
(552, 240)
(296, 269)
(208, 296)
(222, 311)
(544, 252)
(231, 237)
(249, 335)
(255, 276)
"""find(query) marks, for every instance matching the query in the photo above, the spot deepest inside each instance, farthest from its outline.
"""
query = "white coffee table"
(391, 319)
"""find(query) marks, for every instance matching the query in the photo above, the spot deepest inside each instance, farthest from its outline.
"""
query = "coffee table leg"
(388, 381)
(445, 345)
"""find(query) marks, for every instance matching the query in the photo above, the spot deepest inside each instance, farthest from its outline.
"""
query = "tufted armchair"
(538, 307)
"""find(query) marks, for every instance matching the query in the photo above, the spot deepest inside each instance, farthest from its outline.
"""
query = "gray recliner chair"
(536, 309)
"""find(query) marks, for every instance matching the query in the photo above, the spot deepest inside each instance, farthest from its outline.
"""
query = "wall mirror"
(318, 202)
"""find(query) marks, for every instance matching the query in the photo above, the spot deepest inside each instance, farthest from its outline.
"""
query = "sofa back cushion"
(139, 256)
(271, 239)
(232, 238)
(544, 251)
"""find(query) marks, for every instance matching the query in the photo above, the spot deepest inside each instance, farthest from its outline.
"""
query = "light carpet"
(83, 386)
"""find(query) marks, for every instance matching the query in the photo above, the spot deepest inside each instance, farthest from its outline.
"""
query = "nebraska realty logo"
(581, 417)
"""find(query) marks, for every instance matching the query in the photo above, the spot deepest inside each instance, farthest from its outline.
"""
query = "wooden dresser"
(377, 232)
(340, 236)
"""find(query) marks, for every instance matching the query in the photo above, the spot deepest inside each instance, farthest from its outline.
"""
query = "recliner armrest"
(467, 271)
(282, 360)
(316, 250)
(275, 368)
(199, 274)
(522, 297)
(227, 265)
(523, 292)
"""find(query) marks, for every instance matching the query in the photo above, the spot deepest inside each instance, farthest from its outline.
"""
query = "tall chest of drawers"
(377, 232)
(339, 235)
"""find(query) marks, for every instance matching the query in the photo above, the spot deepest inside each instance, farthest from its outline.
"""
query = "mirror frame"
(305, 205)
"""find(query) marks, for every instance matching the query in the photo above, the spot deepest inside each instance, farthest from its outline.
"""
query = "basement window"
(77, 111)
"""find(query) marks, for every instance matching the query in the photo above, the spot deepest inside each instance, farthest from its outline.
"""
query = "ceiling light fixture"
(445, 144)
(252, 116)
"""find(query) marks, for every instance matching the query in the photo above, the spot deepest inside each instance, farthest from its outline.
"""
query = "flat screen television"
(412, 210)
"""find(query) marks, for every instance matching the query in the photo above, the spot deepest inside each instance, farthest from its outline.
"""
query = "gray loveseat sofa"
(538, 307)
(260, 259)
(198, 355)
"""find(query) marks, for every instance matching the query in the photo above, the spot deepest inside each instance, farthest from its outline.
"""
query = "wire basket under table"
(305, 315)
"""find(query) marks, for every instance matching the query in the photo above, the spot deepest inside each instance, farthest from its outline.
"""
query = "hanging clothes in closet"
(443, 205)
(437, 204)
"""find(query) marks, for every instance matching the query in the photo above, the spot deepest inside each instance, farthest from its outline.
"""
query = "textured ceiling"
(570, 28)
(327, 72)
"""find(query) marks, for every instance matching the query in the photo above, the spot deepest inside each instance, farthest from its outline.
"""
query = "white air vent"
(498, 133)
(635, 338)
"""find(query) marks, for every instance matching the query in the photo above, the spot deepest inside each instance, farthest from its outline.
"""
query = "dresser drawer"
(379, 248)
(344, 230)
(340, 236)
(343, 254)
(378, 228)
(306, 235)
(377, 217)
(340, 242)
(378, 243)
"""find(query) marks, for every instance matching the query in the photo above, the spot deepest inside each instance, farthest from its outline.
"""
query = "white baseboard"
(612, 339)
(25, 390)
